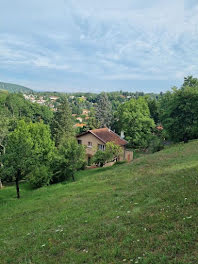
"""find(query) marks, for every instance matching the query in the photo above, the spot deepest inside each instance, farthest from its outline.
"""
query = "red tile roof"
(106, 135)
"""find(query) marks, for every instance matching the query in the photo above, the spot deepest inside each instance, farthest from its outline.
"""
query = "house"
(85, 112)
(97, 138)
(53, 98)
(79, 119)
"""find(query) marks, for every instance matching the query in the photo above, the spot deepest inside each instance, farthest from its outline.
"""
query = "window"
(89, 144)
(101, 147)
(79, 141)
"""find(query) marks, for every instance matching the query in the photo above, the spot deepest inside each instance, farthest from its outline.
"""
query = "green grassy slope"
(143, 212)
(14, 88)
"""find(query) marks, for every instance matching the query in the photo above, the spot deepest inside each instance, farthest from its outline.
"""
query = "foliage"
(179, 112)
(113, 149)
(16, 107)
(156, 144)
(153, 108)
(111, 152)
(103, 110)
(69, 158)
(93, 122)
(14, 88)
(133, 117)
(28, 147)
(40, 176)
(62, 125)
(101, 157)
(190, 82)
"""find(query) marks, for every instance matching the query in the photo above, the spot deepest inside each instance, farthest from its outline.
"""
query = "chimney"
(122, 134)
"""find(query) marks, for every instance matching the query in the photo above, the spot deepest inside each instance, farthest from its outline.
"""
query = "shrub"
(156, 144)
(40, 176)
(112, 152)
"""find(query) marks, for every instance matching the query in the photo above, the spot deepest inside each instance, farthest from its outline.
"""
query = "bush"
(156, 144)
(69, 158)
(112, 152)
(100, 158)
(40, 176)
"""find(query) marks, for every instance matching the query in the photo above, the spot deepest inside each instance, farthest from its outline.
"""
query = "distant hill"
(14, 88)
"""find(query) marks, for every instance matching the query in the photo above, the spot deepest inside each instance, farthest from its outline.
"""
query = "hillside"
(144, 212)
(14, 88)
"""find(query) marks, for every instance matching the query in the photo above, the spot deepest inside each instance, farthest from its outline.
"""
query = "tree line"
(40, 146)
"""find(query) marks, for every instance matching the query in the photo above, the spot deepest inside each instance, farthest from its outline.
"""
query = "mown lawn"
(143, 212)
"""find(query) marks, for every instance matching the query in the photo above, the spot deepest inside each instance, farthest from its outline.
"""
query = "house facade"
(98, 138)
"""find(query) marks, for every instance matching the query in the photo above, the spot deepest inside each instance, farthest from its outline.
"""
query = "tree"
(17, 158)
(42, 153)
(70, 157)
(133, 117)
(92, 123)
(153, 108)
(179, 113)
(112, 152)
(190, 82)
(4, 126)
(29, 146)
(104, 110)
(62, 125)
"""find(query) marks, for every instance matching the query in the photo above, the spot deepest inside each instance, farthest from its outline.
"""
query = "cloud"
(99, 40)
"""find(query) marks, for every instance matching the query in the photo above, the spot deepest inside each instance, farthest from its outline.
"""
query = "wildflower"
(124, 260)
(43, 245)
(117, 216)
(128, 212)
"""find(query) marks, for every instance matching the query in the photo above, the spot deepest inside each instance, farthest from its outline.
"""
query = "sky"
(98, 45)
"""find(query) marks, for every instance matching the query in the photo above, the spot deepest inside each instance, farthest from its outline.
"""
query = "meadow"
(144, 212)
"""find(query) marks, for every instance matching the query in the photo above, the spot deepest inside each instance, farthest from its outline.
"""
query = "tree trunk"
(17, 184)
(1, 185)
(73, 177)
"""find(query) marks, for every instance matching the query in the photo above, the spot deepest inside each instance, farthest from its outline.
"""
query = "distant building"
(160, 127)
(85, 112)
(53, 98)
(79, 119)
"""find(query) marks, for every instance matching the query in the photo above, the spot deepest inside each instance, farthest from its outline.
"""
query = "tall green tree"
(154, 109)
(104, 110)
(62, 125)
(179, 113)
(17, 158)
(70, 157)
(29, 146)
(133, 117)
(4, 127)
(189, 81)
